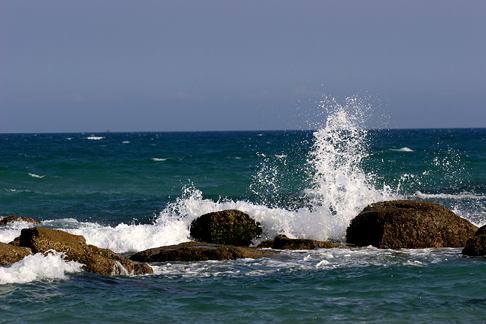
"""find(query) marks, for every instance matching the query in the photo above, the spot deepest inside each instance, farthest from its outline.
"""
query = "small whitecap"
(403, 149)
(126, 142)
(94, 138)
(322, 263)
(158, 159)
(36, 175)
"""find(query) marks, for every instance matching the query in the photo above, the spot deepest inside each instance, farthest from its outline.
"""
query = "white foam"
(38, 267)
(12, 230)
(36, 175)
(159, 159)
(132, 238)
(95, 138)
(403, 149)
(459, 196)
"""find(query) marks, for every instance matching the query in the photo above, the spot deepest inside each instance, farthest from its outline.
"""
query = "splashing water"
(340, 188)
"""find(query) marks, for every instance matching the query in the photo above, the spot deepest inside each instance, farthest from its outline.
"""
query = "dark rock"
(13, 218)
(408, 224)
(228, 227)
(195, 251)
(481, 231)
(282, 242)
(95, 259)
(476, 246)
(10, 254)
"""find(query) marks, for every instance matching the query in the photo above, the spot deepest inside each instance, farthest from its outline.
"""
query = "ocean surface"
(132, 191)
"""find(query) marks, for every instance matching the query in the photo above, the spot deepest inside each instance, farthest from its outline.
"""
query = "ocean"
(132, 191)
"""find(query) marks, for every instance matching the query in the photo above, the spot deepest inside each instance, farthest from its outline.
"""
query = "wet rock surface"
(284, 243)
(4, 220)
(228, 227)
(10, 254)
(409, 224)
(196, 251)
(476, 245)
(94, 259)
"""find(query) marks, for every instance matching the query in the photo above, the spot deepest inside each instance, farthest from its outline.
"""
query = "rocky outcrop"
(408, 224)
(476, 245)
(10, 254)
(228, 227)
(95, 259)
(282, 242)
(195, 251)
(4, 220)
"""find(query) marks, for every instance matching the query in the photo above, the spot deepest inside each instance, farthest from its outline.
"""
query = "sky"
(127, 66)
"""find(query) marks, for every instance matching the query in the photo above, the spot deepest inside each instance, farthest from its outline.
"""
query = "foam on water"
(403, 149)
(38, 267)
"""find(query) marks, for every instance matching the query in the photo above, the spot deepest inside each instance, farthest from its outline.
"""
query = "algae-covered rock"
(196, 251)
(95, 259)
(4, 220)
(282, 242)
(409, 224)
(476, 245)
(229, 227)
(10, 254)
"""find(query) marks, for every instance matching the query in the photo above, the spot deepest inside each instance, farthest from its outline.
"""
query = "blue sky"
(92, 66)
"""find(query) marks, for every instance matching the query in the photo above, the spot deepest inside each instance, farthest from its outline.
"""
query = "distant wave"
(36, 175)
(462, 195)
(95, 138)
(403, 149)
(159, 159)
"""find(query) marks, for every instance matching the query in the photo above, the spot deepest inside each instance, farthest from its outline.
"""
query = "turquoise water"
(132, 191)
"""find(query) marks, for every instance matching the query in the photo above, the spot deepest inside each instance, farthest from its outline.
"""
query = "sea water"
(132, 191)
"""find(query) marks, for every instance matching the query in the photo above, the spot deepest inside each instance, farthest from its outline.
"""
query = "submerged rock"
(228, 227)
(4, 220)
(195, 251)
(282, 242)
(476, 245)
(10, 254)
(409, 224)
(95, 259)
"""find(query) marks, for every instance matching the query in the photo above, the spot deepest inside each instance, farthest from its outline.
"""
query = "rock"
(13, 218)
(282, 242)
(10, 254)
(228, 227)
(195, 251)
(481, 231)
(476, 245)
(95, 259)
(408, 224)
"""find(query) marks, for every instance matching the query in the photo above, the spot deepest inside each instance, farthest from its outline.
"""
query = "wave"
(458, 196)
(36, 175)
(403, 149)
(95, 138)
(38, 267)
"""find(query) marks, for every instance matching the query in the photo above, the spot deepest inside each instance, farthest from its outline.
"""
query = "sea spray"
(339, 188)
